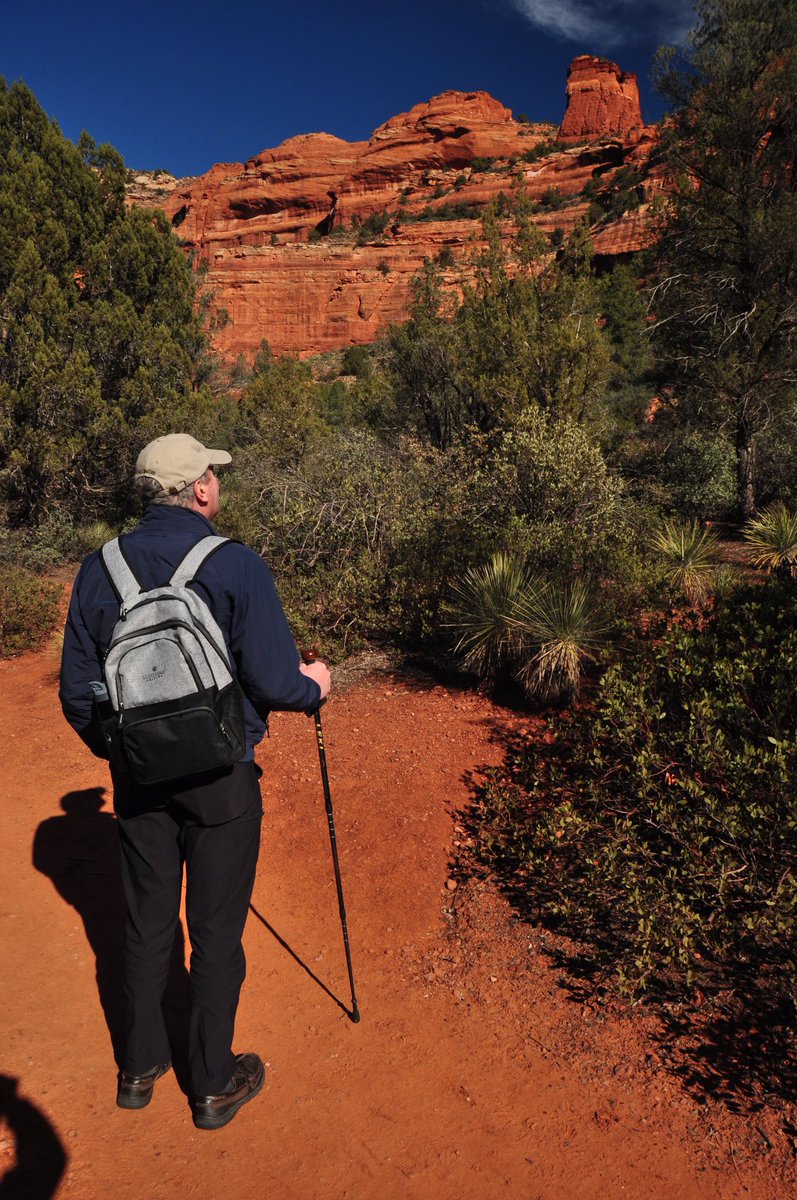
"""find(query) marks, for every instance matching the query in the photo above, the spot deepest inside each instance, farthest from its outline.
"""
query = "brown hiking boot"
(211, 1112)
(135, 1091)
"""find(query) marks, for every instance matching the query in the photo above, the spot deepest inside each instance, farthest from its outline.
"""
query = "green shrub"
(691, 472)
(363, 535)
(54, 542)
(357, 361)
(595, 213)
(660, 823)
(554, 500)
(460, 210)
(776, 451)
(28, 609)
(542, 150)
(372, 227)
(279, 409)
(553, 199)
(609, 200)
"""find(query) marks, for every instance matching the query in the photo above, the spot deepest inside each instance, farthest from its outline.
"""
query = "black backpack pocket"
(180, 738)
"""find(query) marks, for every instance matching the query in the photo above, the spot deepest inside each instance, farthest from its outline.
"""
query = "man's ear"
(201, 488)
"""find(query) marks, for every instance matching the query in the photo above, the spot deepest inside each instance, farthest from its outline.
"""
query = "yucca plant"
(564, 628)
(483, 613)
(771, 538)
(689, 553)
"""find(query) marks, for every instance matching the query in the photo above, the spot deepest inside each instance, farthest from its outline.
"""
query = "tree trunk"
(745, 469)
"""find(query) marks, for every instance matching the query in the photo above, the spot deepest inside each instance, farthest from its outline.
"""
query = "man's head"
(177, 469)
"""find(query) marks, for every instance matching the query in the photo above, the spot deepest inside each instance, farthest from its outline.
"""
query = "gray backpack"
(174, 707)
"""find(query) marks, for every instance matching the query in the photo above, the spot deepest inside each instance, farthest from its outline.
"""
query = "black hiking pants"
(163, 829)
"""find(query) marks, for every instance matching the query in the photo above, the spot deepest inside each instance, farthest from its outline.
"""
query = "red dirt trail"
(470, 1077)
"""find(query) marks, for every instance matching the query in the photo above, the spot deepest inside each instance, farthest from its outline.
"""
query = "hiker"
(209, 821)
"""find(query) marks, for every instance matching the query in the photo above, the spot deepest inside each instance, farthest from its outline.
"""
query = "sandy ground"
(472, 1075)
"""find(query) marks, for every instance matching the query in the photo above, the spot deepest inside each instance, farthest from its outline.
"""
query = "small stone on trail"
(451, 884)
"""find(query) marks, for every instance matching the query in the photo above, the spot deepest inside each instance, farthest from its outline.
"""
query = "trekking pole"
(309, 656)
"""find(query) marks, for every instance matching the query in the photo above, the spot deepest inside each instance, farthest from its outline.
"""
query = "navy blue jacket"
(238, 589)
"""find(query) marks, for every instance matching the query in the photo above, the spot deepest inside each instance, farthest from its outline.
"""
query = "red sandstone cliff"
(282, 233)
(602, 101)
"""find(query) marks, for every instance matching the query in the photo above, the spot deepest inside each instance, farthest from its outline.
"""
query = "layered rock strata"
(313, 245)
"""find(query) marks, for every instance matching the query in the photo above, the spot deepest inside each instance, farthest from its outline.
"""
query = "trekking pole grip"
(310, 655)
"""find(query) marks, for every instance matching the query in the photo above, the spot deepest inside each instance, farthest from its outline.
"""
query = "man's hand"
(320, 673)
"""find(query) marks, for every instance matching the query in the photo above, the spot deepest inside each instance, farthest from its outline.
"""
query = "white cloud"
(610, 22)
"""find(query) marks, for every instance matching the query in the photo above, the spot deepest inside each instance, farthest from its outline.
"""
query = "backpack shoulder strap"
(196, 557)
(119, 572)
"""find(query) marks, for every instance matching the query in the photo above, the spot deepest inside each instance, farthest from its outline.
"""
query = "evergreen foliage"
(101, 345)
(279, 411)
(726, 295)
(660, 824)
(553, 498)
(525, 334)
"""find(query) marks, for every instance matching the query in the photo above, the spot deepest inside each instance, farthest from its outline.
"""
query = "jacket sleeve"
(266, 658)
(80, 664)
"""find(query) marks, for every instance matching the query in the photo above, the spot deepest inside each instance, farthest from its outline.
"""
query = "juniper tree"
(525, 334)
(101, 345)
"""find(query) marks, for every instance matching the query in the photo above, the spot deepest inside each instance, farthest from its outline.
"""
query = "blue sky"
(182, 85)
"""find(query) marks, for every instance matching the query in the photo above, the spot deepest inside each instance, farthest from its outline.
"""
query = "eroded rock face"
(317, 180)
(282, 233)
(602, 101)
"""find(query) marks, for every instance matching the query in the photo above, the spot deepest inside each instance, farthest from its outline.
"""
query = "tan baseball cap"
(176, 460)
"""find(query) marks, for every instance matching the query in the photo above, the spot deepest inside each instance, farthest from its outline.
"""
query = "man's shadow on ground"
(79, 851)
(40, 1157)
